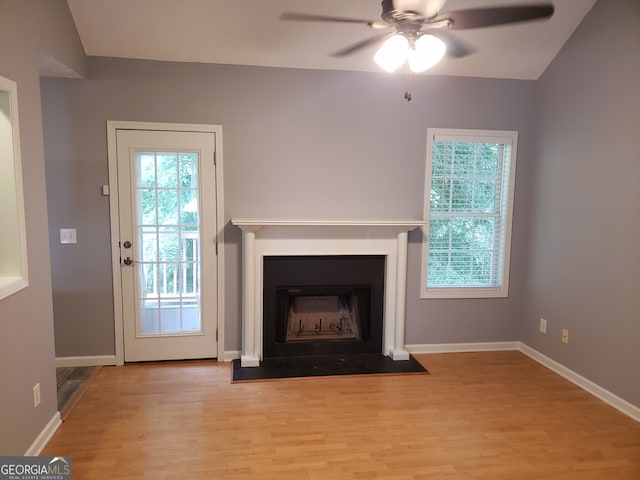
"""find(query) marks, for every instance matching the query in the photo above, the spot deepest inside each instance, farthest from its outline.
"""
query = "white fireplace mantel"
(264, 237)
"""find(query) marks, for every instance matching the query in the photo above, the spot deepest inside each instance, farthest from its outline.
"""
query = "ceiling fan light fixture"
(392, 53)
(427, 51)
(412, 19)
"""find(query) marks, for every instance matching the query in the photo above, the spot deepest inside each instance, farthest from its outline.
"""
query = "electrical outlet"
(565, 335)
(543, 325)
(36, 395)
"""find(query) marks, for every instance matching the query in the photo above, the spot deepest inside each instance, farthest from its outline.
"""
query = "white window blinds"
(468, 211)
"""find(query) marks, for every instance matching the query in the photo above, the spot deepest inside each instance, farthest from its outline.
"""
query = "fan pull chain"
(407, 93)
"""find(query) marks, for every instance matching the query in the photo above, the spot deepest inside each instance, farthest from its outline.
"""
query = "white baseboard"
(45, 435)
(587, 385)
(86, 361)
(462, 347)
(229, 355)
(595, 390)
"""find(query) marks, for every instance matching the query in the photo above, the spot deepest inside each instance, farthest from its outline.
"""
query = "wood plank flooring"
(480, 416)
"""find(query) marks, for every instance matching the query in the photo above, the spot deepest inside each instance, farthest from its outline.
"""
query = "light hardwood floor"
(490, 416)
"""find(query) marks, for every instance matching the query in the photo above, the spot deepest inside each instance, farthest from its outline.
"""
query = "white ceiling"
(249, 32)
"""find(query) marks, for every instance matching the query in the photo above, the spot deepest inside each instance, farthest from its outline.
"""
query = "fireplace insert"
(315, 305)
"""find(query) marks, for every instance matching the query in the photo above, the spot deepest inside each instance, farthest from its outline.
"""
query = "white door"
(167, 215)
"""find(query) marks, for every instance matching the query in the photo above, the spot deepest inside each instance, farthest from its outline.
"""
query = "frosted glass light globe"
(392, 53)
(427, 51)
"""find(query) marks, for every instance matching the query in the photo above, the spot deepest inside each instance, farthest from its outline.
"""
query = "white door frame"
(112, 127)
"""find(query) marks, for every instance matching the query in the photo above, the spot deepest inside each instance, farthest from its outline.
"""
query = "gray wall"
(297, 144)
(584, 259)
(26, 318)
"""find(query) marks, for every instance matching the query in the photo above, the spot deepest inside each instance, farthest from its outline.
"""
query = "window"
(13, 243)
(470, 179)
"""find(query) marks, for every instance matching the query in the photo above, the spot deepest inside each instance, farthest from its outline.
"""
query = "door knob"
(128, 261)
(127, 244)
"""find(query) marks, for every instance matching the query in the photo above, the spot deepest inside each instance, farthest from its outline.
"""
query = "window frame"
(471, 136)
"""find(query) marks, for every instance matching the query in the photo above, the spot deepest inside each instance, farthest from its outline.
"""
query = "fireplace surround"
(271, 237)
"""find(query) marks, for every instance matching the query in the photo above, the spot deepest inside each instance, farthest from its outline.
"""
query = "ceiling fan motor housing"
(394, 16)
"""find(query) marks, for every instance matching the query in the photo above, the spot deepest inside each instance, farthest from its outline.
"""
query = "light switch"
(68, 235)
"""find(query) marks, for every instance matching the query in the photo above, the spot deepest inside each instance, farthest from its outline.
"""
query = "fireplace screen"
(322, 305)
(322, 317)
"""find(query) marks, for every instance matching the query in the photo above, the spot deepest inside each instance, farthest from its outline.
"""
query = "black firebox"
(316, 305)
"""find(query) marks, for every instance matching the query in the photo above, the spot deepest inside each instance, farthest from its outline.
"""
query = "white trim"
(112, 154)
(112, 127)
(229, 356)
(86, 361)
(475, 136)
(399, 355)
(509, 137)
(594, 389)
(587, 385)
(462, 347)
(220, 225)
(158, 126)
(257, 224)
(249, 361)
(11, 283)
(44, 436)
(460, 292)
(397, 350)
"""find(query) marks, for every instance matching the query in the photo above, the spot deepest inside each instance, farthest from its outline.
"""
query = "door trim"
(112, 127)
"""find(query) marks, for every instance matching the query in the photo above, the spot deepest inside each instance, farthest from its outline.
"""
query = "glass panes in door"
(168, 232)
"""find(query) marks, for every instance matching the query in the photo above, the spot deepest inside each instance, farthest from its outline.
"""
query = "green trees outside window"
(468, 211)
(168, 222)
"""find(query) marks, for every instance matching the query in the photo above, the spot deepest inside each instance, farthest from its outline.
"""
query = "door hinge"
(215, 157)
(216, 334)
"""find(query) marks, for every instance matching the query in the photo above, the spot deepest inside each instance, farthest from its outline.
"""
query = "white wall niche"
(13, 242)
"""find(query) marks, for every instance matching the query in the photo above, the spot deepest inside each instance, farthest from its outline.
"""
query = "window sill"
(465, 292)
(11, 285)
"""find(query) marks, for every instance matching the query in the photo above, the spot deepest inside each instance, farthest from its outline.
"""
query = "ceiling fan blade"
(360, 45)
(309, 17)
(456, 48)
(487, 17)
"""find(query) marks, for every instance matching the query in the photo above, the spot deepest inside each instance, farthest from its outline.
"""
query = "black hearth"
(321, 305)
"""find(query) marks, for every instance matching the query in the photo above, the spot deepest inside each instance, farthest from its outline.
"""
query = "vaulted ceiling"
(249, 32)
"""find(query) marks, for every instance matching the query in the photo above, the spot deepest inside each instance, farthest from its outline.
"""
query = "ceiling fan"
(422, 34)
